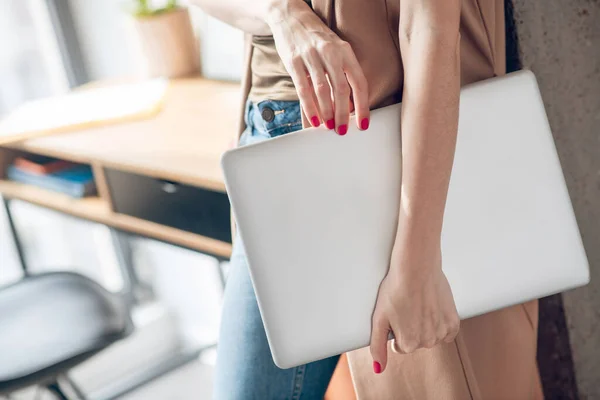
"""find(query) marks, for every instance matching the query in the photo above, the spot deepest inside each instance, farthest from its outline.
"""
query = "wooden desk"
(183, 143)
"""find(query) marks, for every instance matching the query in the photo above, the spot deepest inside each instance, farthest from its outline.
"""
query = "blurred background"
(48, 47)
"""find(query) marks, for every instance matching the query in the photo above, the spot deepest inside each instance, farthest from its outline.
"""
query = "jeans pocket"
(270, 118)
(251, 136)
(286, 128)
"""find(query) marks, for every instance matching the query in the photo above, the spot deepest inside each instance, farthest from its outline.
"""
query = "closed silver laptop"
(317, 214)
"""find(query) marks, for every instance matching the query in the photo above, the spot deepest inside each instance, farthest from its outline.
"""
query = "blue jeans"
(245, 368)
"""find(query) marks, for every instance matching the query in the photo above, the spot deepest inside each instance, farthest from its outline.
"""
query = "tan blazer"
(493, 356)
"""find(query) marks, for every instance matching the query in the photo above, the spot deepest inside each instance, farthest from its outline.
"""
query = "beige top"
(270, 79)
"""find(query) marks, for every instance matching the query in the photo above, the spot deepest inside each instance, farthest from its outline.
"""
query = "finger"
(409, 345)
(341, 100)
(340, 88)
(316, 121)
(379, 338)
(452, 331)
(428, 335)
(360, 92)
(322, 89)
(442, 331)
(395, 347)
(429, 342)
(429, 332)
(305, 90)
(405, 341)
(450, 336)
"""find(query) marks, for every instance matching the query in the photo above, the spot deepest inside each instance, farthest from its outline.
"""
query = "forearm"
(415, 299)
(429, 128)
(249, 16)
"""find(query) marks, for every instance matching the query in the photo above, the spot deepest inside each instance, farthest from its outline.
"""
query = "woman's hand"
(414, 301)
(324, 69)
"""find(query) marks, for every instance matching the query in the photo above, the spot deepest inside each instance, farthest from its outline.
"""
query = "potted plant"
(166, 38)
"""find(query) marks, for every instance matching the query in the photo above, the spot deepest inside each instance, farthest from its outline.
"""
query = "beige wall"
(560, 42)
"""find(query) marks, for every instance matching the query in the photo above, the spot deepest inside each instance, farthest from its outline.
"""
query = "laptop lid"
(317, 215)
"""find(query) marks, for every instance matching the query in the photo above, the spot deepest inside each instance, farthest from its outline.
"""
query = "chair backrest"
(51, 322)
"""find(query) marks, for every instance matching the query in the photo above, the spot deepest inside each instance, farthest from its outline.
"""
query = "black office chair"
(52, 322)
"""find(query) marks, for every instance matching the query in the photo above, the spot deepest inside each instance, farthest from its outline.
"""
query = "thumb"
(379, 337)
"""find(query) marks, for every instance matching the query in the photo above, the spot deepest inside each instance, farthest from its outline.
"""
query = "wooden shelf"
(97, 209)
(93, 208)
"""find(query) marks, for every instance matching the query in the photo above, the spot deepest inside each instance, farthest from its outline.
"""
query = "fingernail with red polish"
(330, 124)
(376, 367)
(364, 124)
(342, 129)
(315, 121)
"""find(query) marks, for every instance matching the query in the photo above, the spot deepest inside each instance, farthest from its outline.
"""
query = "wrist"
(415, 259)
(419, 228)
(272, 11)
(417, 247)
(277, 11)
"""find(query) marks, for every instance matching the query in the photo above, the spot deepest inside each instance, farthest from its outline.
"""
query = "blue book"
(75, 182)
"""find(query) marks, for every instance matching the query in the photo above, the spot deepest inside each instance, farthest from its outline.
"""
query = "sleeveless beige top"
(270, 79)
(372, 30)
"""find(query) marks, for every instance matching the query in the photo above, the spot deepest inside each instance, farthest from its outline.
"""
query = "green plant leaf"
(142, 8)
(172, 4)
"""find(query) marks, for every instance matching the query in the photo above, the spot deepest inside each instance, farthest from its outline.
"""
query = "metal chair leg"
(63, 387)
(66, 380)
(57, 391)
(15, 235)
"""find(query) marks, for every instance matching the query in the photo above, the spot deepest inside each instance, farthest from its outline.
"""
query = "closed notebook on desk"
(83, 109)
(317, 215)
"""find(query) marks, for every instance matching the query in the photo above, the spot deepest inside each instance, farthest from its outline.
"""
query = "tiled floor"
(190, 382)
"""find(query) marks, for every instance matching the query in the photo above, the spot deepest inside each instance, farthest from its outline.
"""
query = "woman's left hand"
(414, 302)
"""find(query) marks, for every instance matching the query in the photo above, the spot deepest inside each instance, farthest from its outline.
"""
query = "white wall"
(105, 37)
(30, 64)
(221, 47)
(110, 49)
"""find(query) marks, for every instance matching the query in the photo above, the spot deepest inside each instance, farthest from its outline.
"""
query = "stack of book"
(75, 180)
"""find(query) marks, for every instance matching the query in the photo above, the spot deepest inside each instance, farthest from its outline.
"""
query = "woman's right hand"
(327, 76)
